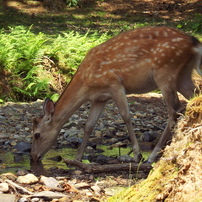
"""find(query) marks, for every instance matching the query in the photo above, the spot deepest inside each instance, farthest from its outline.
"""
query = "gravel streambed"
(148, 115)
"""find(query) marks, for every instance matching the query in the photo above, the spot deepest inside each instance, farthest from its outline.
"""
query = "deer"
(133, 62)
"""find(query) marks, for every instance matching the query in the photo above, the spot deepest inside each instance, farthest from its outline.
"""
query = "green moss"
(147, 190)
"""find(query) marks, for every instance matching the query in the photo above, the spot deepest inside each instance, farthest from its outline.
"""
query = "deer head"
(44, 138)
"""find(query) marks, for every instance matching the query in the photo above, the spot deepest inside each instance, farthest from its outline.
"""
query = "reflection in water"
(10, 163)
(38, 168)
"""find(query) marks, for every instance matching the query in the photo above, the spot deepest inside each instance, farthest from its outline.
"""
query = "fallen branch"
(97, 168)
(18, 187)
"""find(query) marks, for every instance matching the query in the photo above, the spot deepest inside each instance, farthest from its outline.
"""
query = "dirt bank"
(177, 176)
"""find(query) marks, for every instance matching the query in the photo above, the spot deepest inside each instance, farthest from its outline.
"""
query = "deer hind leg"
(173, 105)
(119, 97)
(95, 112)
(186, 86)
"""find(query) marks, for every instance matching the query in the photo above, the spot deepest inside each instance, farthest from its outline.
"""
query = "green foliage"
(71, 3)
(193, 25)
(23, 55)
(71, 48)
(20, 52)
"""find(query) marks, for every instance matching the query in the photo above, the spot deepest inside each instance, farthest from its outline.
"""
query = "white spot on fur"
(166, 44)
(105, 63)
(157, 33)
(165, 34)
(98, 76)
(177, 39)
(179, 52)
(147, 60)
(146, 51)
(116, 47)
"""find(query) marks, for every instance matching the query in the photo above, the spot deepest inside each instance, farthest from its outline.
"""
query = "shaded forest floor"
(104, 16)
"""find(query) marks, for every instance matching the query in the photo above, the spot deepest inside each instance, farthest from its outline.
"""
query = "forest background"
(43, 42)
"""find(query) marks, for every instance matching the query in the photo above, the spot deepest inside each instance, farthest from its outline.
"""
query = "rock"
(81, 185)
(139, 114)
(48, 194)
(8, 176)
(13, 143)
(23, 200)
(4, 187)
(87, 192)
(125, 158)
(120, 134)
(74, 142)
(35, 200)
(23, 146)
(65, 199)
(71, 132)
(91, 177)
(147, 137)
(62, 130)
(49, 182)
(118, 144)
(27, 179)
(113, 140)
(89, 150)
(18, 127)
(21, 172)
(77, 172)
(98, 133)
(95, 140)
(7, 197)
(96, 188)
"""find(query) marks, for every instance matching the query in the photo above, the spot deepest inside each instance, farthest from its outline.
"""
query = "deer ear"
(48, 108)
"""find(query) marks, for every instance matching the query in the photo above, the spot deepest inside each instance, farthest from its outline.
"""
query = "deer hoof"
(138, 158)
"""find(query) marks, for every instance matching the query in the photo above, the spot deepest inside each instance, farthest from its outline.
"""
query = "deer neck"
(71, 99)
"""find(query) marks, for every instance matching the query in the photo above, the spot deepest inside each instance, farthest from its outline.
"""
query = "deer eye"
(37, 135)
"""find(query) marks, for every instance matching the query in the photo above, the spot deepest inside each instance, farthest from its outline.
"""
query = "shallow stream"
(13, 162)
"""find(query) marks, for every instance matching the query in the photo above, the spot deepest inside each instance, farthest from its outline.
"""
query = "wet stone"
(125, 158)
(23, 146)
(8, 197)
(4, 187)
(49, 182)
(27, 179)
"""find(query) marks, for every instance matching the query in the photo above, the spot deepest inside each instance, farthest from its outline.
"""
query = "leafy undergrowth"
(34, 66)
(37, 63)
(177, 176)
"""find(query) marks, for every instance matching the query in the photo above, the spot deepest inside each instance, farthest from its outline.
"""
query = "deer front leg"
(120, 99)
(95, 112)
